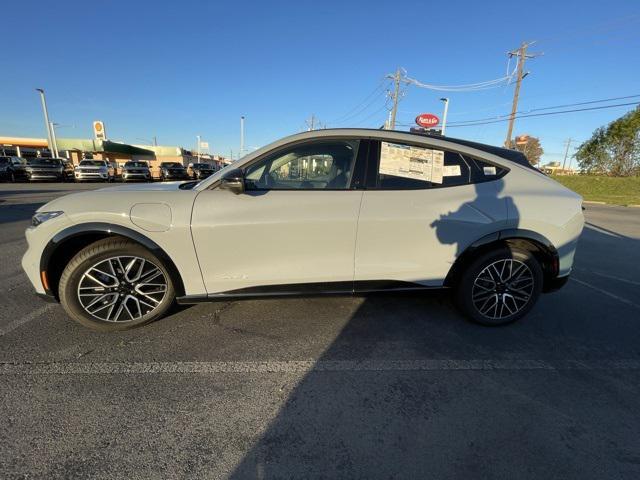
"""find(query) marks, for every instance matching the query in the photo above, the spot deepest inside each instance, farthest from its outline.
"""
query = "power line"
(549, 113)
(462, 88)
(351, 112)
(546, 108)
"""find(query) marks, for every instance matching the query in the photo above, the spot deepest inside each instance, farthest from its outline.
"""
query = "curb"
(593, 202)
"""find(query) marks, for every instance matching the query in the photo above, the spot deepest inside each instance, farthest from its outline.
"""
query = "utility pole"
(395, 96)
(241, 136)
(311, 123)
(198, 138)
(566, 152)
(522, 55)
(46, 119)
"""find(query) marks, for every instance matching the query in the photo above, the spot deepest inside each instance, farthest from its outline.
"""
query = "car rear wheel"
(115, 284)
(500, 286)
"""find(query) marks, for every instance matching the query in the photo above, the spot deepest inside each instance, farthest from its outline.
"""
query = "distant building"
(75, 149)
(554, 168)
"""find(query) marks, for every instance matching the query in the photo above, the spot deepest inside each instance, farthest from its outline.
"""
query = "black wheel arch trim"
(508, 234)
(108, 229)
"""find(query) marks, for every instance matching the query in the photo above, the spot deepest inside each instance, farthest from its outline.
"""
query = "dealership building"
(76, 149)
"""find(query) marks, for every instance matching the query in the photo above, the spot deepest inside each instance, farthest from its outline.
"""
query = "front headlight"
(41, 217)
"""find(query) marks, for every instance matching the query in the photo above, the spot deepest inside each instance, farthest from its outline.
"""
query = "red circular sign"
(427, 120)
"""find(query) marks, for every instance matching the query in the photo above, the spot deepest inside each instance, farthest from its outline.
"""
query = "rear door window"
(410, 167)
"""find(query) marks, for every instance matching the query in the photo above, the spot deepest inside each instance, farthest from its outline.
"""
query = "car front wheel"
(500, 286)
(115, 284)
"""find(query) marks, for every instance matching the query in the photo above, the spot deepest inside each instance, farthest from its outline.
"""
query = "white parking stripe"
(27, 318)
(611, 277)
(305, 366)
(608, 294)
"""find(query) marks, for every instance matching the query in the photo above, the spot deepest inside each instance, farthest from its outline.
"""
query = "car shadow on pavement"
(12, 212)
(409, 389)
(7, 193)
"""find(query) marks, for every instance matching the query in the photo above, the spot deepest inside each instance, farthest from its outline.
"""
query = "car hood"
(146, 187)
(92, 167)
(125, 195)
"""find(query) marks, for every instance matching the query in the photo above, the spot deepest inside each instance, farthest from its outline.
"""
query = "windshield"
(172, 164)
(92, 163)
(136, 164)
(44, 161)
(201, 165)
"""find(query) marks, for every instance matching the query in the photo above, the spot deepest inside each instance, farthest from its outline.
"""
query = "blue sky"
(179, 69)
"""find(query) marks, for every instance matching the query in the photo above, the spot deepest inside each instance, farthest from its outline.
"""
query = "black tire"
(475, 294)
(93, 255)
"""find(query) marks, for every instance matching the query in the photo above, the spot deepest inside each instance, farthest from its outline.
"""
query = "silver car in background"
(136, 170)
(96, 170)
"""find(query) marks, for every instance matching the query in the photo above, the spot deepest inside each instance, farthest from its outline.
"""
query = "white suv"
(331, 211)
(89, 169)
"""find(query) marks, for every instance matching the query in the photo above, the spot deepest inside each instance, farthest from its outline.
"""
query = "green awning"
(114, 147)
(101, 146)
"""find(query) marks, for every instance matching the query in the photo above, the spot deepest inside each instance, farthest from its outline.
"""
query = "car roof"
(505, 153)
(500, 155)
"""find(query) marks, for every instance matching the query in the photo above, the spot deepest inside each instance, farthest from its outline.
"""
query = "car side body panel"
(542, 205)
(114, 206)
(416, 235)
(275, 237)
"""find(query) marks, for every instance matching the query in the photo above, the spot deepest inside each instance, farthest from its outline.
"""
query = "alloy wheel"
(122, 289)
(502, 289)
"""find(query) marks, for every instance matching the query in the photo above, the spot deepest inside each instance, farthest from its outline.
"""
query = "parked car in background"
(199, 171)
(173, 171)
(68, 170)
(327, 211)
(45, 168)
(5, 169)
(136, 170)
(95, 170)
(12, 168)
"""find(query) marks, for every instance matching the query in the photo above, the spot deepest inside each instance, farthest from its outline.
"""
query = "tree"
(529, 146)
(614, 149)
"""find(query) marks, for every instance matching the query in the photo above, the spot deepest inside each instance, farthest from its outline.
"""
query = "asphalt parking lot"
(387, 386)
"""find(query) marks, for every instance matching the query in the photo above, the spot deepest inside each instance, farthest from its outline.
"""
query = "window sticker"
(412, 162)
(451, 171)
(489, 170)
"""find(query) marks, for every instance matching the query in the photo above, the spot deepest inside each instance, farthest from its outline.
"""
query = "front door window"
(326, 165)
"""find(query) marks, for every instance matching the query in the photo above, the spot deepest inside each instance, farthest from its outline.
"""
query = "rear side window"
(409, 167)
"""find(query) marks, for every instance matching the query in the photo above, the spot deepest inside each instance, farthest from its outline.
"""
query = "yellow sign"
(98, 130)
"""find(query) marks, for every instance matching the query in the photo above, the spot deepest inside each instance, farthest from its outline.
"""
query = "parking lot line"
(304, 366)
(611, 277)
(25, 319)
(607, 293)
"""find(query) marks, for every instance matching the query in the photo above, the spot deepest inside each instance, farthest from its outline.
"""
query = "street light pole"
(198, 138)
(241, 136)
(46, 119)
(444, 115)
(52, 126)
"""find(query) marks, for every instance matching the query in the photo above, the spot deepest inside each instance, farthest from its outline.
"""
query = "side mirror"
(233, 180)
